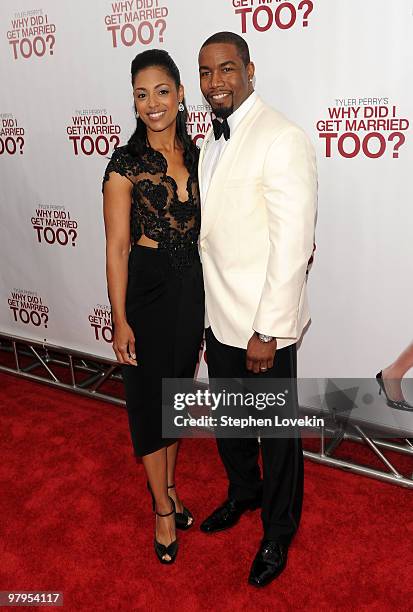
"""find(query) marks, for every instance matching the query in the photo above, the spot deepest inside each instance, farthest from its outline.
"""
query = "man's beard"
(223, 113)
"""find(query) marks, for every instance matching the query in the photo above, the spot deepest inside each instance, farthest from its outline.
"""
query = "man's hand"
(260, 355)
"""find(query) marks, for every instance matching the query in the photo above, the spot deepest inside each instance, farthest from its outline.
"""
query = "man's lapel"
(212, 199)
(204, 147)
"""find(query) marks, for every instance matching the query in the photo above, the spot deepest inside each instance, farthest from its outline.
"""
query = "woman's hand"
(124, 344)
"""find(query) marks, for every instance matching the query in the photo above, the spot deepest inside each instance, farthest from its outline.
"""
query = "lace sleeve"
(121, 163)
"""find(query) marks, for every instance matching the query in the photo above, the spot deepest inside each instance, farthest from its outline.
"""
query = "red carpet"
(75, 517)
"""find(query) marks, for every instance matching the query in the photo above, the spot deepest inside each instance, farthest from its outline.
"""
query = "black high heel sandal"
(172, 549)
(182, 518)
(400, 405)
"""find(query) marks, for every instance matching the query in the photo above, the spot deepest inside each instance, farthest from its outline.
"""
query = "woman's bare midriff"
(148, 242)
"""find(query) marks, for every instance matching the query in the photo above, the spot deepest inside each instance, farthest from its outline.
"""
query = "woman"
(152, 221)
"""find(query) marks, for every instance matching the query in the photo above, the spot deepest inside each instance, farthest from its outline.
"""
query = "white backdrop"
(65, 76)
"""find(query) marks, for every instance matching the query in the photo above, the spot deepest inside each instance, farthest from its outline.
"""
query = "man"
(258, 186)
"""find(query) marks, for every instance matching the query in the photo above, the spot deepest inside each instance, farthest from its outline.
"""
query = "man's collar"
(235, 118)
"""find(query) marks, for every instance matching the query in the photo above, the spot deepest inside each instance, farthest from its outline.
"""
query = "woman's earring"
(137, 115)
(181, 107)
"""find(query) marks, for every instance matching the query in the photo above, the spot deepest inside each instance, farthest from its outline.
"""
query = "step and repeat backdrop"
(339, 68)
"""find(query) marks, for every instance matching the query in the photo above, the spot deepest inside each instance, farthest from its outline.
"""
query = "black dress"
(165, 296)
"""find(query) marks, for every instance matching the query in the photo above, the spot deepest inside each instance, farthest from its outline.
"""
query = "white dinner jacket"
(257, 230)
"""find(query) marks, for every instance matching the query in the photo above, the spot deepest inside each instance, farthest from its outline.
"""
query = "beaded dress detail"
(156, 210)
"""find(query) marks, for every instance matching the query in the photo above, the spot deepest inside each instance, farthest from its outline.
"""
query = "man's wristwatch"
(265, 338)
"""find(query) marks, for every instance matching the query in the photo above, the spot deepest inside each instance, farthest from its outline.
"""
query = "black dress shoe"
(228, 514)
(269, 562)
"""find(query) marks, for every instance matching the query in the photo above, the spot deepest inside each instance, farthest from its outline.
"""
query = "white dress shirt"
(215, 148)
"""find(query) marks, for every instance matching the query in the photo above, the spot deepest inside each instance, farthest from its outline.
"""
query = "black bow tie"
(221, 127)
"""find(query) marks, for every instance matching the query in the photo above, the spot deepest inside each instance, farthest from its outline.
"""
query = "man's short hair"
(232, 39)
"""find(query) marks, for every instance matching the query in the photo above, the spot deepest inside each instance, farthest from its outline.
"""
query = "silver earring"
(181, 107)
(137, 115)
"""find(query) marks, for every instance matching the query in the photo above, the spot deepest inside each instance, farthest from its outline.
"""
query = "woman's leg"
(189, 325)
(395, 372)
(156, 470)
(172, 453)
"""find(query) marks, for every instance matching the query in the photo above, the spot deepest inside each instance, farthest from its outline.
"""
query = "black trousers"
(282, 480)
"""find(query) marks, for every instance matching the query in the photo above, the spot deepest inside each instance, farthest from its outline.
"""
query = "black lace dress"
(165, 296)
